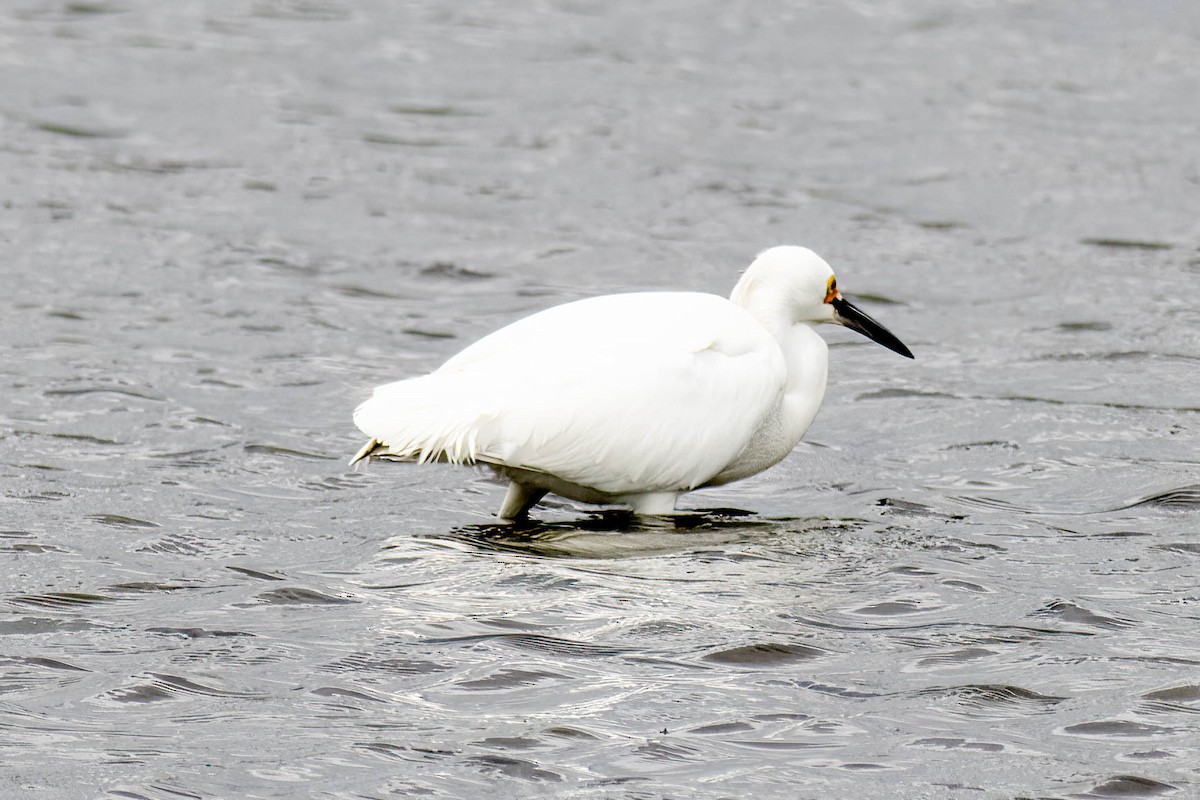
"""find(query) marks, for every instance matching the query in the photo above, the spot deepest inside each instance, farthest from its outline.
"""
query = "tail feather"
(366, 451)
(423, 420)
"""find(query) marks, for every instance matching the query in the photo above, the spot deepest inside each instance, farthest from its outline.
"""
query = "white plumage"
(632, 398)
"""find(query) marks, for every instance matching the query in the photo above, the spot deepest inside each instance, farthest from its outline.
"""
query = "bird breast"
(807, 358)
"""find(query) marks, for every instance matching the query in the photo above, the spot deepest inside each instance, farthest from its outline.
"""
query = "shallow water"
(976, 578)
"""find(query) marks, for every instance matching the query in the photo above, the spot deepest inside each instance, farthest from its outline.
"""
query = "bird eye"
(831, 290)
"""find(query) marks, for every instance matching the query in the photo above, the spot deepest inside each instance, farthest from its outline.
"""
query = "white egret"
(630, 399)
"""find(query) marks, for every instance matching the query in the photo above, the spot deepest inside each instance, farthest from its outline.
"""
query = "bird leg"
(519, 499)
(654, 504)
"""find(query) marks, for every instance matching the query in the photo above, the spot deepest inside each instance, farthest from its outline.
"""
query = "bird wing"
(622, 393)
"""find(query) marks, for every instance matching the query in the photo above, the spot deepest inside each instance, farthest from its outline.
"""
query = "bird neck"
(768, 307)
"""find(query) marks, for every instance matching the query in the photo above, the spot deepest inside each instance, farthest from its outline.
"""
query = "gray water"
(222, 224)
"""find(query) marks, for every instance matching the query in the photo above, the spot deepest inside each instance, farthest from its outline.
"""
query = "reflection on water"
(619, 534)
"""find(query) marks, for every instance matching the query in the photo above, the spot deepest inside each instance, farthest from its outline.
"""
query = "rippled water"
(979, 577)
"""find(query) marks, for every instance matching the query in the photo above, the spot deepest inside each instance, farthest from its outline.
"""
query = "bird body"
(631, 398)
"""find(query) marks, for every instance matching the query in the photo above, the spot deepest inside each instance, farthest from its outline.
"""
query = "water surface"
(976, 578)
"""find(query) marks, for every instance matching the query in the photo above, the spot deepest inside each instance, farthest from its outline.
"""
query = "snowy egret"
(630, 399)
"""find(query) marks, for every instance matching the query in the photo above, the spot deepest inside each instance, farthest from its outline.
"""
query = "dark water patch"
(187, 686)
(1108, 534)
(538, 643)
(188, 458)
(954, 657)
(993, 699)
(910, 571)
(720, 728)
(428, 334)
(256, 574)
(505, 679)
(837, 691)
(162, 686)
(305, 11)
(448, 269)
(1185, 498)
(296, 595)
(286, 452)
(429, 110)
(154, 792)
(338, 692)
(1126, 244)
(30, 547)
(48, 663)
(146, 587)
(119, 521)
(86, 390)
(989, 444)
(864, 766)
(950, 743)
(391, 666)
(611, 535)
(140, 693)
(766, 654)
(47, 496)
(1186, 548)
(78, 123)
(1131, 786)
(1187, 693)
(970, 634)
(284, 264)
(33, 626)
(1067, 611)
(199, 633)
(354, 290)
(62, 600)
(778, 744)
(168, 164)
(86, 438)
(1082, 327)
(90, 7)
(514, 768)
(893, 393)
(335, 483)
(556, 646)
(571, 733)
(180, 544)
(966, 586)
(894, 608)
(210, 421)
(386, 749)
(510, 743)
(397, 140)
(1119, 729)
(657, 750)
(878, 299)
(913, 509)
(992, 504)
(1150, 755)
(1183, 699)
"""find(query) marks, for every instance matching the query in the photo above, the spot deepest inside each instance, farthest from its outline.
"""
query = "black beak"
(848, 314)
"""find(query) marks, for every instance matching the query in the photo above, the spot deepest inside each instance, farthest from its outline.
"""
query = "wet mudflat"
(979, 577)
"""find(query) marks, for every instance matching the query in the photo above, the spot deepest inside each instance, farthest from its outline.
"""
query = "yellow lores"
(831, 292)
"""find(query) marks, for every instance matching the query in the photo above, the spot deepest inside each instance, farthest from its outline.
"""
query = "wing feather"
(623, 393)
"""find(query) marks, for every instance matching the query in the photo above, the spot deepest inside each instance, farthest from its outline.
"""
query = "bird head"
(796, 285)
